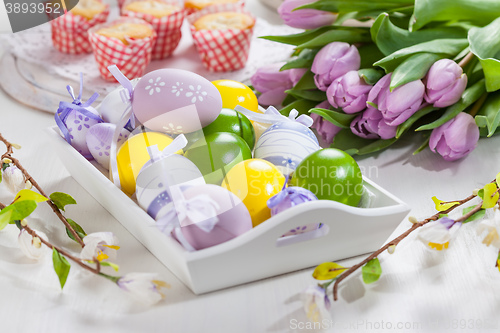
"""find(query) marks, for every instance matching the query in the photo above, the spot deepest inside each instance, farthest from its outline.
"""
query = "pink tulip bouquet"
(427, 66)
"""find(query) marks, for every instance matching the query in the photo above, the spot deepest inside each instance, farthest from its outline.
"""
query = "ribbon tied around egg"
(272, 116)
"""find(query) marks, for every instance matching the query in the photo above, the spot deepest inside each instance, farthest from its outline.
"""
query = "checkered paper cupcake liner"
(191, 10)
(70, 32)
(222, 50)
(168, 30)
(131, 59)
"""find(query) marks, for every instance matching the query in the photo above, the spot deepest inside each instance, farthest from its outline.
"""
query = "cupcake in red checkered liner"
(126, 42)
(166, 18)
(192, 6)
(70, 31)
(222, 35)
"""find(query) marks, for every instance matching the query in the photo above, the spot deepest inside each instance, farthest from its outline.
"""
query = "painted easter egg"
(217, 153)
(236, 93)
(259, 128)
(175, 101)
(330, 174)
(233, 218)
(133, 154)
(99, 138)
(234, 122)
(154, 182)
(113, 106)
(255, 181)
(77, 125)
(285, 145)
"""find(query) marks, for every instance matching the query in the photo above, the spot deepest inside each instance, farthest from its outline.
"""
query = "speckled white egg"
(77, 125)
(154, 182)
(112, 106)
(285, 145)
(99, 138)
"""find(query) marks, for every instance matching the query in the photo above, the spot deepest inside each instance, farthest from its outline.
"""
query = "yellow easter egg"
(235, 93)
(254, 181)
(133, 154)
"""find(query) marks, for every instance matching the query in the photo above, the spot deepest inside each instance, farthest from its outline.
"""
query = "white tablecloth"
(455, 289)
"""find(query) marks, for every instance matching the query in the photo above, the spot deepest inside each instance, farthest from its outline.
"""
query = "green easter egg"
(216, 154)
(330, 174)
(231, 121)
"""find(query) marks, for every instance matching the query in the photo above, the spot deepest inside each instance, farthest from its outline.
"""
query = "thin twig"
(28, 177)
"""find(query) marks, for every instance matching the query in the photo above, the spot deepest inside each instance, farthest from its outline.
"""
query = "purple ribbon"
(65, 109)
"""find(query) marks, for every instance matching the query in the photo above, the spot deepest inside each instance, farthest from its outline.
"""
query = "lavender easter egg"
(99, 138)
(233, 218)
(155, 181)
(78, 125)
(175, 101)
(113, 106)
(285, 145)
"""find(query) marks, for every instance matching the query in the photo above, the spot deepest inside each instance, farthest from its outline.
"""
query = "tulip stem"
(29, 178)
(479, 103)
(398, 239)
(465, 60)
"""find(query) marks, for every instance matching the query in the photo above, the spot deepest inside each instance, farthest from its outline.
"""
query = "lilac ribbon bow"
(272, 116)
(65, 109)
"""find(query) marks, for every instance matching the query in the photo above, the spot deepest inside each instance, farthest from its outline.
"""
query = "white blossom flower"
(436, 235)
(492, 226)
(102, 245)
(316, 303)
(144, 287)
(31, 246)
(14, 179)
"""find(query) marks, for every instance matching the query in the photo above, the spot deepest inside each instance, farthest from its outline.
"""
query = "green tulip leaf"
(61, 267)
(78, 229)
(376, 146)
(424, 145)
(312, 95)
(301, 105)
(469, 96)
(303, 60)
(476, 216)
(351, 36)
(371, 271)
(442, 47)
(306, 82)
(16, 211)
(489, 114)
(485, 44)
(410, 121)
(479, 12)
(413, 68)
(300, 38)
(61, 200)
(369, 54)
(370, 75)
(390, 38)
(341, 6)
(349, 142)
(335, 117)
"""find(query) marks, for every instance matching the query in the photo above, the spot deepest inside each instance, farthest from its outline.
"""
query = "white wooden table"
(456, 289)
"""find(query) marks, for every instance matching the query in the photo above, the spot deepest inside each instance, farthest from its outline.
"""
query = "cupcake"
(70, 31)
(126, 43)
(166, 19)
(222, 35)
(195, 5)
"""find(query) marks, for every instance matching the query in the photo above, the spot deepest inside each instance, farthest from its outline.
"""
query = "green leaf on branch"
(25, 194)
(371, 271)
(485, 44)
(410, 121)
(303, 60)
(413, 68)
(479, 12)
(61, 267)
(306, 82)
(337, 118)
(390, 38)
(16, 211)
(78, 229)
(61, 200)
(107, 264)
(442, 47)
(476, 216)
(370, 75)
(489, 114)
(301, 105)
(311, 95)
(469, 96)
(351, 36)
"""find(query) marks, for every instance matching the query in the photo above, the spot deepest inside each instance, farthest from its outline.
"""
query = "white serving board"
(260, 253)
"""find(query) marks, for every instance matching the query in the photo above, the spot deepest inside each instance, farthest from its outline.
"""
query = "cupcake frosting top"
(122, 31)
(200, 4)
(224, 20)
(88, 8)
(155, 8)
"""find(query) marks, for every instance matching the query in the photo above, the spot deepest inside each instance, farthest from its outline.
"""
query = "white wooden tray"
(259, 253)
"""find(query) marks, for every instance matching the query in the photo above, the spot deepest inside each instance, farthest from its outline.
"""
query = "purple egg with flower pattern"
(286, 144)
(175, 101)
(288, 198)
(99, 138)
(78, 125)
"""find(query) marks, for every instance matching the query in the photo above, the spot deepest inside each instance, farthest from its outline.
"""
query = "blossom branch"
(28, 177)
(398, 239)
